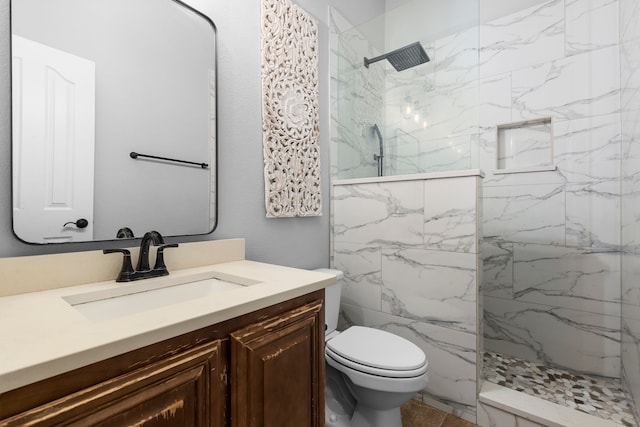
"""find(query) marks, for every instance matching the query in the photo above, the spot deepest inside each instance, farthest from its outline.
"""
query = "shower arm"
(369, 61)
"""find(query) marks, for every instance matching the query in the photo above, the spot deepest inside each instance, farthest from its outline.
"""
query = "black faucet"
(143, 271)
(145, 243)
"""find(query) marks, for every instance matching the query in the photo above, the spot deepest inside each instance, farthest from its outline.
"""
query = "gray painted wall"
(298, 242)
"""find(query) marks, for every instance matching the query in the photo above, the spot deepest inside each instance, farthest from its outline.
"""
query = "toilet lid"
(377, 349)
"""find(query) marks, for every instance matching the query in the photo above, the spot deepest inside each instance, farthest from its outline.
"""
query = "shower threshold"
(603, 398)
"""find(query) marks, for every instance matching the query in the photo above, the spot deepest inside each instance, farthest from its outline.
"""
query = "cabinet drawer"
(186, 389)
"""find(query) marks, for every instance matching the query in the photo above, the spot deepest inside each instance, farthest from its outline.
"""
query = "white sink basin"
(136, 297)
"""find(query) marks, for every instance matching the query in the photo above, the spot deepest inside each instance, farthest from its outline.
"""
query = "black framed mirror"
(94, 81)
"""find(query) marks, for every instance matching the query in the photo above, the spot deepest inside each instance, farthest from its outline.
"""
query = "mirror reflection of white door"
(53, 143)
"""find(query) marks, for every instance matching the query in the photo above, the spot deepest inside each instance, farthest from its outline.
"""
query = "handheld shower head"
(403, 58)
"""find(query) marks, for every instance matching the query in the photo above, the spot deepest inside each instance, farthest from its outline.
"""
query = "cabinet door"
(187, 389)
(277, 370)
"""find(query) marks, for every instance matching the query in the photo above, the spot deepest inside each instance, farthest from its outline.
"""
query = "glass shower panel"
(427, 114)
(360, 106)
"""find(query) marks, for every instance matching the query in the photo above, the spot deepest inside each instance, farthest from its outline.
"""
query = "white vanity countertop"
(42, 335)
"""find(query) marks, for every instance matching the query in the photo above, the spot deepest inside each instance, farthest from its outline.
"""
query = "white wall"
(300, 242)
(356, 11)
(427, 20)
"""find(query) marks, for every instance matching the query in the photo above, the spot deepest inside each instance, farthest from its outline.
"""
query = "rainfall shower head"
(403, 58)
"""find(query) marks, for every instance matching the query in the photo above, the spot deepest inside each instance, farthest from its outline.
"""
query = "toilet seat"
(387, 373)
(377, 352)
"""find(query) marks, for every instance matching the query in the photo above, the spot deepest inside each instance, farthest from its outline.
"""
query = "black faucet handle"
(127, 271)
(160, 266)
(168, 245)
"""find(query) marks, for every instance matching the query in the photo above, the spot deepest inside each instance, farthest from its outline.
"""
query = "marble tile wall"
(361, 96)
(444, 92)
(489, 416)
(551, 281)
(409, 251)
(524, 146)
(630, 83)
(337, 24)
(551, 247)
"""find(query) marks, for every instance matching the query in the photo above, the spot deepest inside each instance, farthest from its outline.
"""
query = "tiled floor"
(595, 396)
(417, 414)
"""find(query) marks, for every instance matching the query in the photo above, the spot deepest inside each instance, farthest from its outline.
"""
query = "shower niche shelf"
(525, 147)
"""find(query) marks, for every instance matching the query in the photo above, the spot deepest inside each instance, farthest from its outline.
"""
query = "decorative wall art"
(290, 126)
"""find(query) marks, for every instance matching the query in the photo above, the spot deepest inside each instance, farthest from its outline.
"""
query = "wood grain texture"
(183, 381)
(179, 390)
(278, 370)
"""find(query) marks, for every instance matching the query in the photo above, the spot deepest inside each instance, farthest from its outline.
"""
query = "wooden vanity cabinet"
(179, 390)
(265, 368)
(277, 370)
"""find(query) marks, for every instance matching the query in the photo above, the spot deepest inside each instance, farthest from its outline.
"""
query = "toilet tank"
(332, 300)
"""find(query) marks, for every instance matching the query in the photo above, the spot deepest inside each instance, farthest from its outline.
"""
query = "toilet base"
(336, 418)
(339, 404)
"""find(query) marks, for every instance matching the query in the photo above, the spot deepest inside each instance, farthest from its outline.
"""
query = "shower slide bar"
(380, 156)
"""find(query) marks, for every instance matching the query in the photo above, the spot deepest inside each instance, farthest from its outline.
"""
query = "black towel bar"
(135, 155)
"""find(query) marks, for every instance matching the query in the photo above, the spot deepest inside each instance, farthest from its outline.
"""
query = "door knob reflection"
(80, 223)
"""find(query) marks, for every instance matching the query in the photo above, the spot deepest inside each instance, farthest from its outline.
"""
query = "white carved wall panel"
(290, 110)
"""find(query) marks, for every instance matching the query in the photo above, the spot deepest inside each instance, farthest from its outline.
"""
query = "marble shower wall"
(630, 83)
(551, 253)
(358, 96)
(444, 92)
(409, 252)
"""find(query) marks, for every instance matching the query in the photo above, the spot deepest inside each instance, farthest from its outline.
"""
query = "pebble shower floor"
(595, 396)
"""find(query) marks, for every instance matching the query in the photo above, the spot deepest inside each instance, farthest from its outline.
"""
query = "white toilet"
(370, 372)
